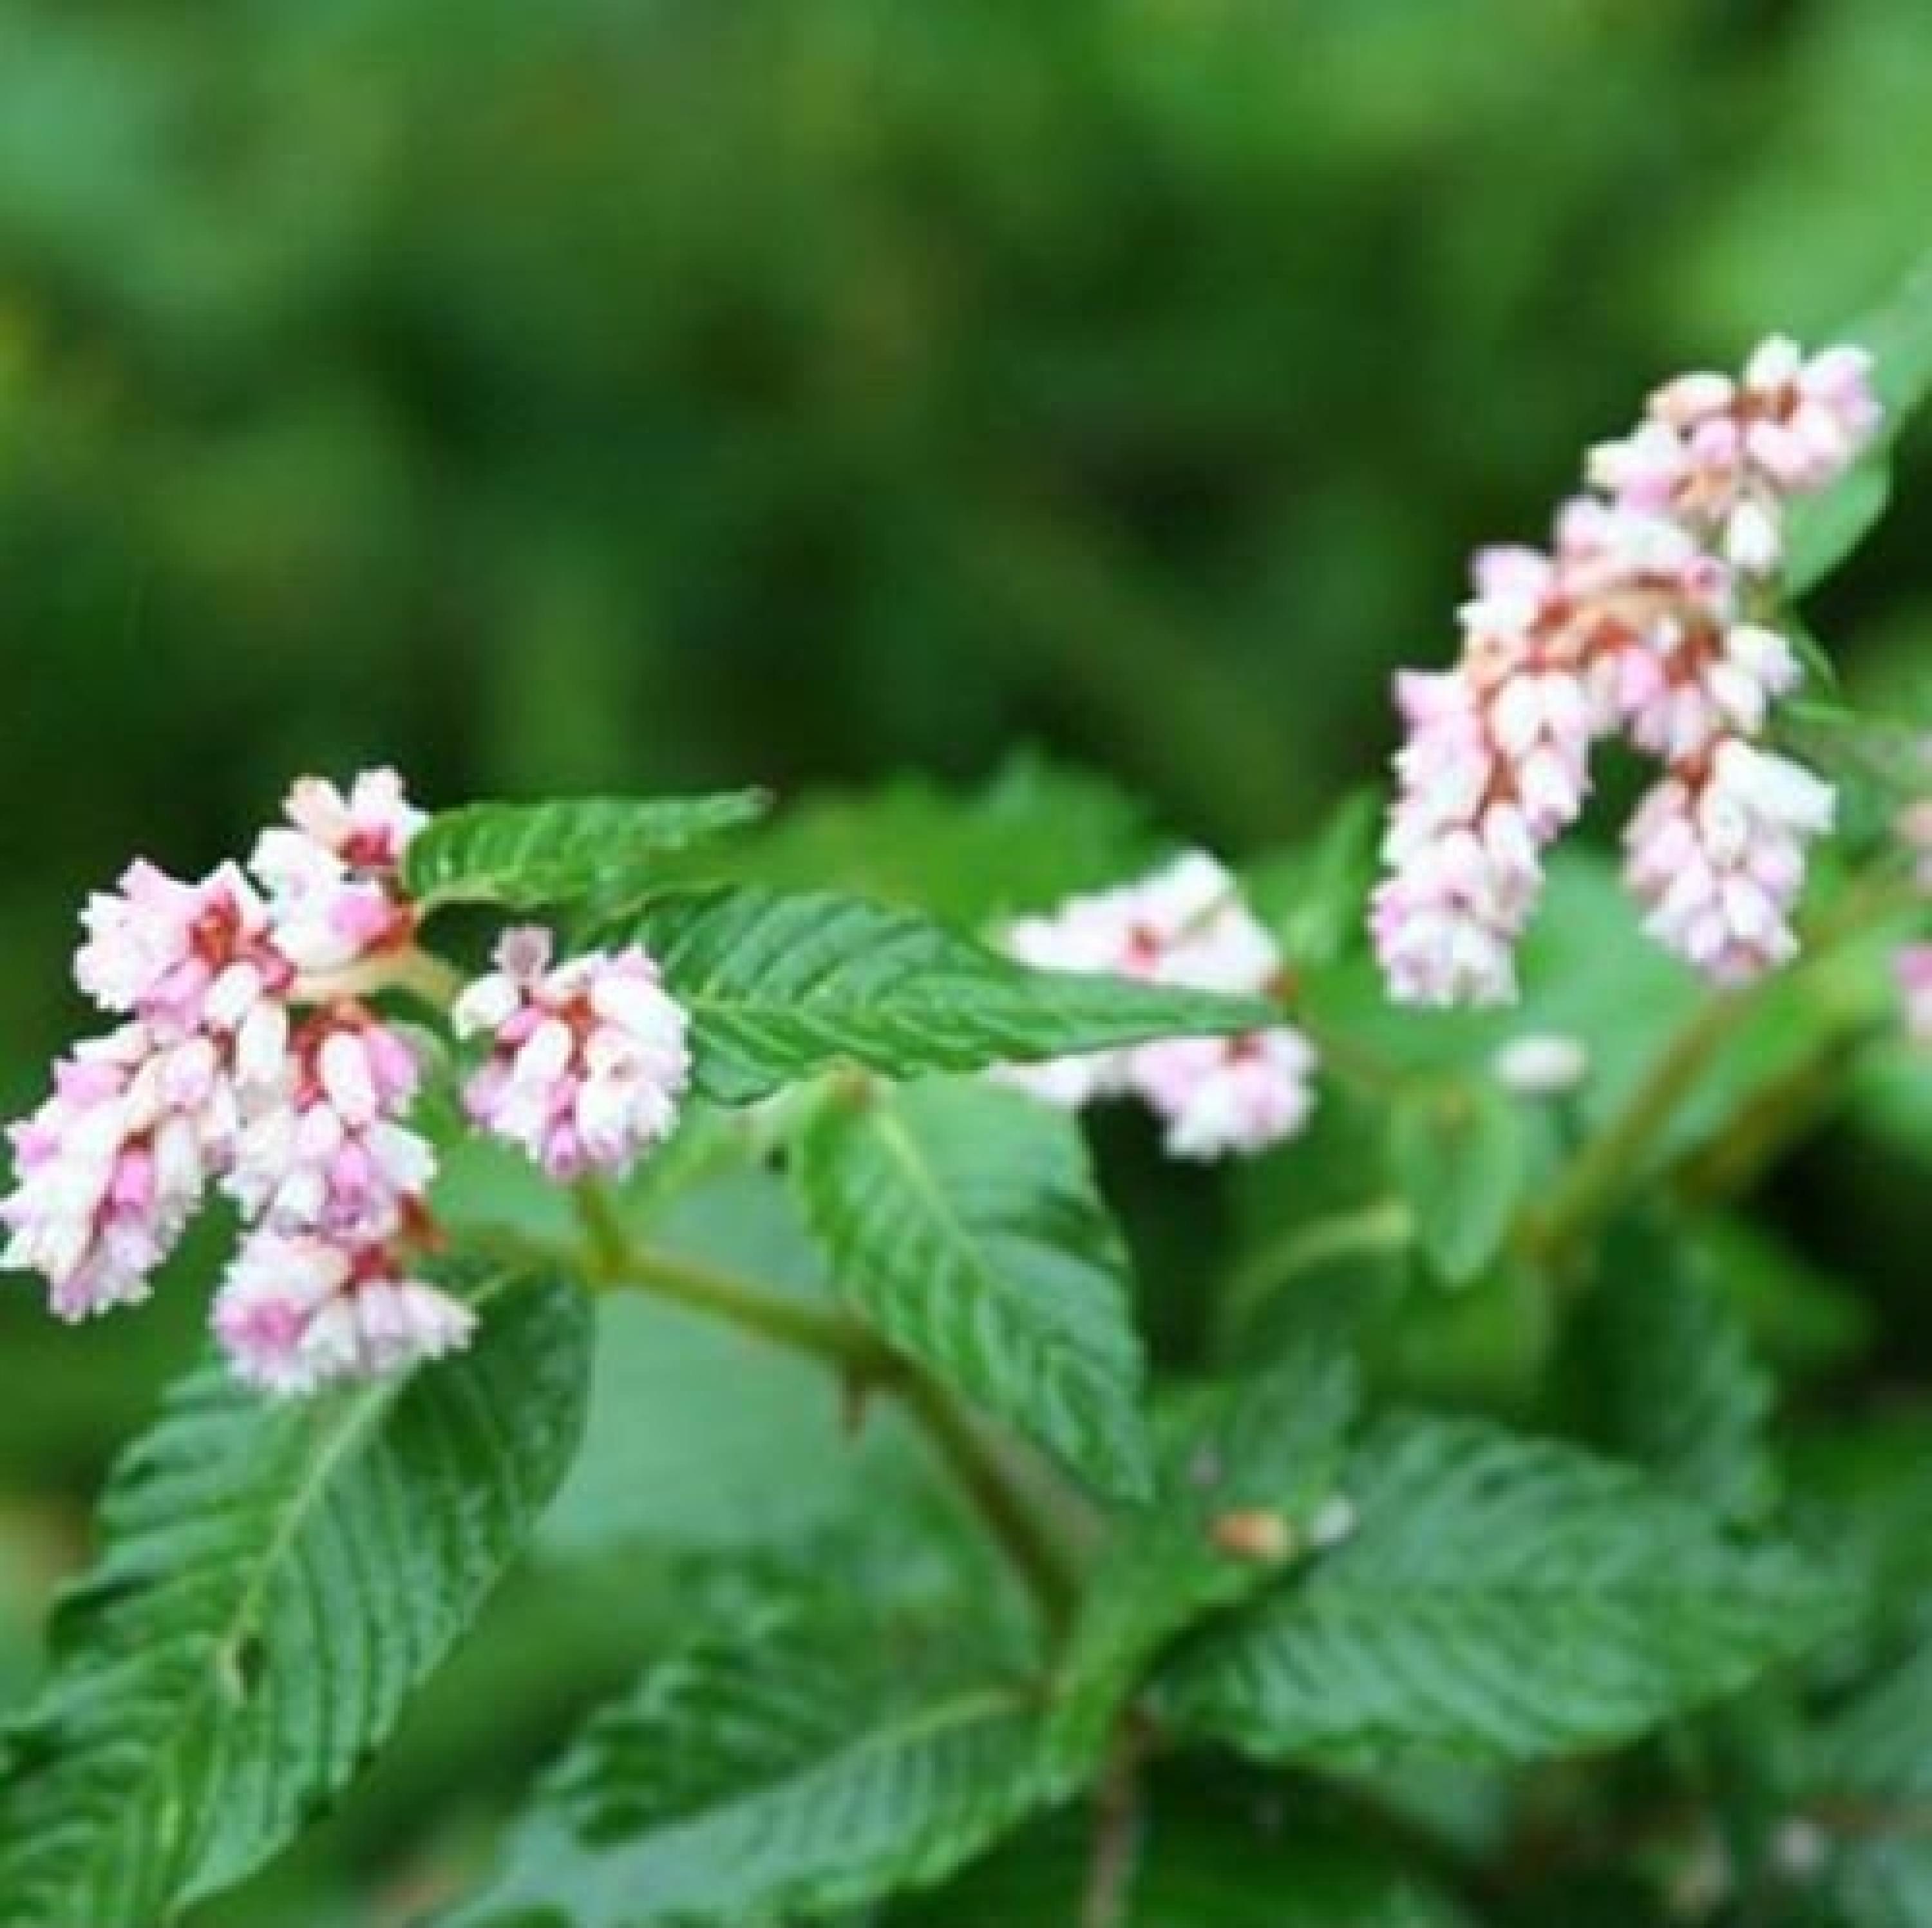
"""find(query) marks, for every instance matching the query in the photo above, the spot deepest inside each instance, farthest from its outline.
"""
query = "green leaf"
(1823, 530)
(527, 856)
(1037, 833)
(782, 988)
(1671, 1377)
(1458, 1154)
(1315, 897)
(1245, 1467)
(278, 1580)
(1503, 1599)
(963, 1221)
(796, 1771)
(1878, 762)
(1872, 1760)
(1899, 334)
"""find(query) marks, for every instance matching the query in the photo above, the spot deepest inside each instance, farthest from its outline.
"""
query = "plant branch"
(1602, 1168)
(973, 1461)
(863, 1362)
(422, 974)
(1384, 1228)
(1117, 1821)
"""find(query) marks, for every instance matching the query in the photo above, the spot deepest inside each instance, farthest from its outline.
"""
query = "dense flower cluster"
(588, 1058)
(1185, 925)
(1642, 619)
(248, 1060)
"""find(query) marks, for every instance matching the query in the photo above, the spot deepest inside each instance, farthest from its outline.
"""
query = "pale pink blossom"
(368, 827)
(180, 955)
(1094, 934)
(1204, 936)
(331, 871)
(1726, 456)
(1495, 765)
(1717, 857)
(1224, 1096)
(112, 1167)
(1186, 924)
(589, 1059)
(326, 1151)
(1913, 967)
(295, 1314)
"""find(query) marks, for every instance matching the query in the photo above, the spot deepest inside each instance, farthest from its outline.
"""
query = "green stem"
(1347, 1057)
(973, 1462)
(1117, 1826)
(833, 1340)
(1601, 1171)
(1732, 1162)
(1605, 1167)
(863, 1362)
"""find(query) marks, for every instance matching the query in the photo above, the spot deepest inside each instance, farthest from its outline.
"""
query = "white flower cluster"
(1185, 925)
(248, 1059)
(1640, 620)
(588, 1058)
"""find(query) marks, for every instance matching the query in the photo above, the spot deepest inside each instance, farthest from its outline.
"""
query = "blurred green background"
(647, 393)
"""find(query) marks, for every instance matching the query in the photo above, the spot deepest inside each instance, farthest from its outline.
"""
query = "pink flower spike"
(1639, 621)
(1495, 764)
(1716, 856)
(331, 872)
(178, 955)
(367, 828)
(1184, 925)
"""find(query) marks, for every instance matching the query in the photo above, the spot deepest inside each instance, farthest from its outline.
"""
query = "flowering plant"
(1459, 1450)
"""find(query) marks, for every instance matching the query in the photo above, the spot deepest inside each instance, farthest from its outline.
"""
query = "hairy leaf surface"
(276, 1580)
(524, 855)
(792, 1771)
(1245, 1467)
(1503, 1599)
(963, 1221)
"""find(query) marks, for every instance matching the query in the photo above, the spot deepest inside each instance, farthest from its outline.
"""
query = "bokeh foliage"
(648, 394)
